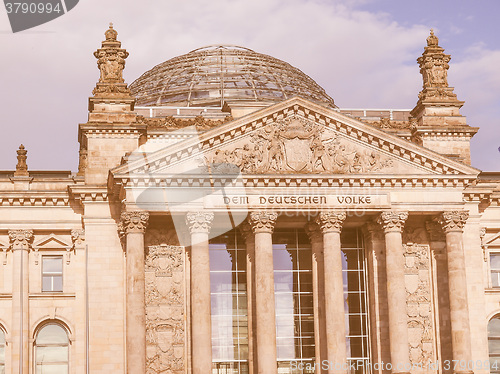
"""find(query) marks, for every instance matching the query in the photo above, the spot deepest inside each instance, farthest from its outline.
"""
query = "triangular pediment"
(295, 137)
(51, 241)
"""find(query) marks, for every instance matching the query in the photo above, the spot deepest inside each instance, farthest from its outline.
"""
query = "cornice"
(34, 198)
(83, 194)
(305, 180)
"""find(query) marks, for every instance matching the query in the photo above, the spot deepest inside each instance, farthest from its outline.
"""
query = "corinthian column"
(20, 243)
(331, 226)
(262, 224)
(392, 224)
(201, 324)
(318, 283)
(133, 225)
(453, 223)
(247, 233)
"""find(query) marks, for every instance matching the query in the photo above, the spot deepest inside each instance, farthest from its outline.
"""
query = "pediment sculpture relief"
(300, 146)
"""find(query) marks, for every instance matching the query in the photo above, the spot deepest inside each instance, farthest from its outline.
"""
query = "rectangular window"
(52, 276)
(495, 269)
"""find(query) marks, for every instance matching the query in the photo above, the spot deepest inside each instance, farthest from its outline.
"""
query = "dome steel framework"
(212, 75)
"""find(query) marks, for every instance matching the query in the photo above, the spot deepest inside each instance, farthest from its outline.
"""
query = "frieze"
(171, 122)
(165, 309)
(296, 145)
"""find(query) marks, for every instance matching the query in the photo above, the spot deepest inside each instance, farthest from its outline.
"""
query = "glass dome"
(212, 75)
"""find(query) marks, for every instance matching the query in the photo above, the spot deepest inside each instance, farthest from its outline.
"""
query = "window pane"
(57, 284)
(2, 337)
(494, 328)
(495, 278)
(495, 261)
(52, 354)
(52, 264)
(52, 334)
(52, 369)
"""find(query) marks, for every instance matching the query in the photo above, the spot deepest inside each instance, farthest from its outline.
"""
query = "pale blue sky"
(362, 52)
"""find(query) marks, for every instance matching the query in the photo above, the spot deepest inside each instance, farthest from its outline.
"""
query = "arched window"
(494, 343)
(2, 351)
(52, 350)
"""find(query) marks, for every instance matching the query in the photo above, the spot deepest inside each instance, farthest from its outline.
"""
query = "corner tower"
(112, 129)
(439, 124)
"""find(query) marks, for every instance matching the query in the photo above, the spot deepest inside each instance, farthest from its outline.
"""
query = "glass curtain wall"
(355, 304)
(293, 300)
(229, 304)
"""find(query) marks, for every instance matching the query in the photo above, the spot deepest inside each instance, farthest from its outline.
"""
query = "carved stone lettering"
(165, 300)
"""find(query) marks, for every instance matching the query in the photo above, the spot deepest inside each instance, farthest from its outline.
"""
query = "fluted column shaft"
(452, 223)
(199, 224)
(331, 226)
(20, 243)
(133, 225)
(316, 239)
(392, 224)
(262, 224)
(248, 234)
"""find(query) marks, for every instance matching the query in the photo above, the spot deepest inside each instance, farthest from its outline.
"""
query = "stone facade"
(119, 254)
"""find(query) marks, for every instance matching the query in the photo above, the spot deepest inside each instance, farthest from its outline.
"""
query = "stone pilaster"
(133, 225)
(318, 279)
(262, 224)
(452, 223)
(199, 224)
(392, 223)
(330, 224)
(20, 241)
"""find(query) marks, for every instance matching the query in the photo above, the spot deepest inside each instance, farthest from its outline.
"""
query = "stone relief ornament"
(331, 221)
(199, 221)
(434, 69)
(78, 238)
(300, 146)
(22, 166)
(20, 239)
(134, 222)
(165, 303)
(453, 220)
(262, 221)
(419, 304)
(392, 221)
(111, 63)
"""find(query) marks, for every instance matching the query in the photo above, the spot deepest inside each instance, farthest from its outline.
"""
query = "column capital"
(20, 239)
(199, 222)
(313, 231)
(453, 220)
(392, 221)
(78, 238)
(331, 221)
(262, 221)
(134, 222)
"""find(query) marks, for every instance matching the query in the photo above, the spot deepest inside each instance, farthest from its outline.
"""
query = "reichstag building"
(227, 217)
